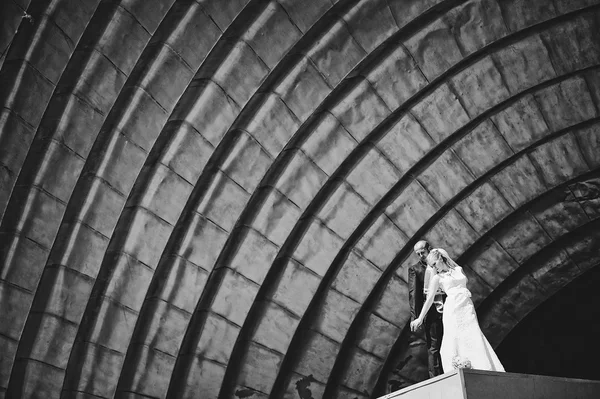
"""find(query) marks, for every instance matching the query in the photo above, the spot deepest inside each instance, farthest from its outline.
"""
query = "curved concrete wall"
(220, 198)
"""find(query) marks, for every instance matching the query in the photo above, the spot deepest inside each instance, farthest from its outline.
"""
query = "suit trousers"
(433, 334)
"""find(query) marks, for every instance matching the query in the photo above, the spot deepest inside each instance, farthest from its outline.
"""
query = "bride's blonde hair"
(440, 254)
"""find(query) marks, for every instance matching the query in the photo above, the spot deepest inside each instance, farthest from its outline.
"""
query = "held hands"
(415, 325)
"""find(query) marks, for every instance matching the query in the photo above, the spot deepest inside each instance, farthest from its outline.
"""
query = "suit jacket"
(418, 282)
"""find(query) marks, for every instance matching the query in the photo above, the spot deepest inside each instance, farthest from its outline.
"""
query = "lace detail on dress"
(463, 343)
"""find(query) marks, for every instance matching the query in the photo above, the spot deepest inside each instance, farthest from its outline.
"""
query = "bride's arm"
(433, 287)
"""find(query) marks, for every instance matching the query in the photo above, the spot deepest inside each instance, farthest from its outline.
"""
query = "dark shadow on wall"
(561, 337)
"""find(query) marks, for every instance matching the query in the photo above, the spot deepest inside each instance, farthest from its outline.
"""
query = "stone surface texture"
(219, 199)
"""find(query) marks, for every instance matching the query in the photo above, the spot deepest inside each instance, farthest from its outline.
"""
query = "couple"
(436, 278)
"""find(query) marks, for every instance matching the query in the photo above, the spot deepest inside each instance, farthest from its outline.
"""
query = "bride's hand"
(414, 326)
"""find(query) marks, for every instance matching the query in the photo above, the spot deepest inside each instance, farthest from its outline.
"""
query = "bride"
(463, 343)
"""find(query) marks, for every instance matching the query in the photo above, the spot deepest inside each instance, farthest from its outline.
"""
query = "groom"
(419, 275)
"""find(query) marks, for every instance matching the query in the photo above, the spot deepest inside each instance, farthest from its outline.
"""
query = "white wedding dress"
(463, 340)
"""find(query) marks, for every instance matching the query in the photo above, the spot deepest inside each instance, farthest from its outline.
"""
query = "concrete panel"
(484, 139)
(335, 315)
(476, 24)
(128, 282)
(356, 277)
(124, 37)
(272, 125)
(434, 48)
(22, 261)
(371, 22)
(234, 296)
(239, 71)
(206, 107)
(275, 328)
(142, 118)
(224, 14)
(154, 191)
(573, 45)
(523, 238)
(36, 215)
(329, 144)
(48, 379)
(405, 11)
(303, 89)
(49, 56)
(361, 110)
(524, 64)
(381, 242)
(480, 87)
(30, 105)
(393, 307)
(491, 262)
(378, 336)
(222, 202)
(15, 145)
(205, 381)
(53, 330)
(156, 335)
(373, 177)
(296, 288)
(318, 248)
(143, 235)
(413, 207)
(113, 339)
(559, 160)
(318, 358)
(344, 210)
(195, 35)
(255, 257)
(305, 15)
(57, 172)
(584, 251)
(566, 103)
(201, 242)
(397, 78)
(179, 283)
(301, 180)
(521, 124)
(520, 14)
(336, 54)
(555, 272)
(586, 193)
(14, 305)
(63, 293)
(183, 150)
(406, 143)
(73, 115)
(276, 217)
(592, 78)
(272, 34)
(589, 139)
(254, 373)
(440, 113)
(453, 233)
(484, 208)
(217, 339)
(519, 182)
(445, 177)
(363, 372)
(163, 74)
(247, 162)
(149, 378)
(525, 295)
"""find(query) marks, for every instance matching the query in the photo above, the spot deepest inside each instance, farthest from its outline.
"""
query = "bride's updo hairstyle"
(439, 254)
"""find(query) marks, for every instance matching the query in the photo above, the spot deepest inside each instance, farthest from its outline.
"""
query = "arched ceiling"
(219, 199)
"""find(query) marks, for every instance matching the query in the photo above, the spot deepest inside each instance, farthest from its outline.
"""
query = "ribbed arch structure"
(219, 199)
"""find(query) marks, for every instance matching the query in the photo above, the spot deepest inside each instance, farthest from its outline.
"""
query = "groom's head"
(422, 249)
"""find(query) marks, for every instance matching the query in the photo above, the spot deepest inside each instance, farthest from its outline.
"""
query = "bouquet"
(460, 363)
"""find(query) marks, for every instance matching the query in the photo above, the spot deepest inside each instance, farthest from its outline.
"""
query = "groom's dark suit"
(433, 321)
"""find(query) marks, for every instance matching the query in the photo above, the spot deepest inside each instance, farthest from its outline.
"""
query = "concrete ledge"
(477, 384)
